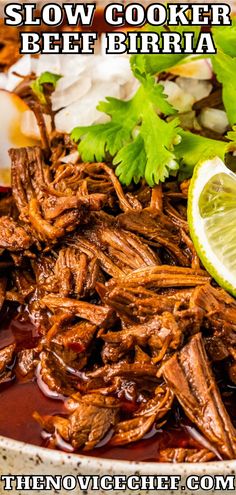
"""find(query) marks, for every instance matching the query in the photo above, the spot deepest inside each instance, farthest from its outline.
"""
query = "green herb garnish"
(225, 38)
(38, 84)
(225, 68)
(139, 139)
(194, 148)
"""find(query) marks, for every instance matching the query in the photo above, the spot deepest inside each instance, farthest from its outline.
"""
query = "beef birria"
(131, 327)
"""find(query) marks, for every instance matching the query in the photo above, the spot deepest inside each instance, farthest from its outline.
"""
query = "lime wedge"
(212, 220)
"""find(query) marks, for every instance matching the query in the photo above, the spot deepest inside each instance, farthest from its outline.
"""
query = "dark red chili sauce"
(19, 398)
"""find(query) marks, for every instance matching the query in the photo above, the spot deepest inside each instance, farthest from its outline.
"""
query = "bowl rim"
(75, 460)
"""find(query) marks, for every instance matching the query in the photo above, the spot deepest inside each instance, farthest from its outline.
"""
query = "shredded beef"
(92, 417)
(186, 455)
(27, 360)
(127, 320)
(189, 376)
(6, 360)
(13, 236)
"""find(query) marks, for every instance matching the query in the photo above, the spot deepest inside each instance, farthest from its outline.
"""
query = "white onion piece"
(77, 114)
(45, 435)
(151, 432)
(178, 98)
(65, 95)
(128, 90)
(214, 119)
(197, 69)
(61, 444)
(67, 81)
(111, 68)
(75, 64)
(47, 63)
(85, 81)
(102, 118)
(196, 87)
(66, 119)
(22, 67)
(71, 158)
(29, 126)
(84, 112)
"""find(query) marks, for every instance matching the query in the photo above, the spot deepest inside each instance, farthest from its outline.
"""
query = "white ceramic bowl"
(18, 458)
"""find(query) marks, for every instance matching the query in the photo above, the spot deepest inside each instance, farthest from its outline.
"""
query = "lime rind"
(213, 226)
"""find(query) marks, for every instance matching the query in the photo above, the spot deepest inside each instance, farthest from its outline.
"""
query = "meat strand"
(189, 376)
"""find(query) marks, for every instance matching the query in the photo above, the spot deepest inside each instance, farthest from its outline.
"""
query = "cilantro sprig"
(225, 68)
(160, 62)
(225, 38)
(194, 148)
(38, 84)
(139, 139)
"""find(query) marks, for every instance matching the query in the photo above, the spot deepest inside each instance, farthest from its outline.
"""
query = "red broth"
(19, 399)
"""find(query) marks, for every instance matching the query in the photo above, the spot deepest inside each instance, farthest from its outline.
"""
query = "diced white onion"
(75, 64)
(62, 444)
(214, 119)
(111, 69)
(178, 98)
(66, 94)
(23, 67)
(47, 63)
(196, 87)
(71, 158)
(84, 112)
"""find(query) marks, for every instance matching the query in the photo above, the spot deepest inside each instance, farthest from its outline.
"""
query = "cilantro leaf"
(160, 62)
(98, 140)
(194, 148)
(155, 93)
(131, 160)
(225, 38)
(44, 78)
(141, 143)
(225, 67)
(231, 135)
(159, 138)
(154, 63)
(148, 155)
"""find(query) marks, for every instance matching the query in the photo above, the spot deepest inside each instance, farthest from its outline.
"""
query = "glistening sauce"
(19, 398)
